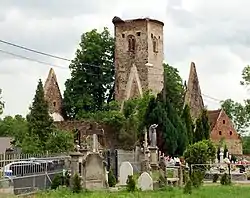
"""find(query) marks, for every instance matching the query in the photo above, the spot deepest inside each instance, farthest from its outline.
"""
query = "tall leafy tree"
(40, 123)
(166, 110)
(238, 113)
(202, 127)
(187, 119)
(92, 74)
(15, 127)
(1, 103)
(174, 87)
(205, 124)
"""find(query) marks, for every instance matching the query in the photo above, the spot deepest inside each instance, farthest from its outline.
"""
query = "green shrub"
(111, 179)
(225, 179)
(67, 179)
(185, 176)
(197, 177)
(162, 181)
(188, 187)
(215, 178)
(57, 181)
(131, 185)
(76, 184)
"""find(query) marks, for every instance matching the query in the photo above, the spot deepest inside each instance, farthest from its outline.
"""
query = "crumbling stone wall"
(143, 31)
(108, 139)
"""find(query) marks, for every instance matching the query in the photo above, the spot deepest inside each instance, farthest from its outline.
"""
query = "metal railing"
(26, 173)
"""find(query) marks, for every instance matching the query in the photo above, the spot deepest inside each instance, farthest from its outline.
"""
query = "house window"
(231, 133)
(54, 104)
(138, 33)
(155, 45)
(220, 133)
(123, 35)
(224, 121)
(131, 43)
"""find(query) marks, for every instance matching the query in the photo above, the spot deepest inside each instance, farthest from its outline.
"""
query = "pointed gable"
(222, 128)
(213, 117)
(53, 96)
(193, 96)
(133, 87)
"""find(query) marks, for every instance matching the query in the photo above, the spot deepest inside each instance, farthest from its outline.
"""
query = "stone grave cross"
(95, 143)
(94, 130)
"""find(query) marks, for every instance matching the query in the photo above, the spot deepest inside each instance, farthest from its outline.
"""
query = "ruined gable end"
(193, 96)
(222, 129)
(53, 96)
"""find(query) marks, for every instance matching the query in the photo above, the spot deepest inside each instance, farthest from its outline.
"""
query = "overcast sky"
(215, 34)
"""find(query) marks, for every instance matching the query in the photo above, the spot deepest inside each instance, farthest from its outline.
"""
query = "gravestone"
(95, 173)
(145, 182)
(126, 169)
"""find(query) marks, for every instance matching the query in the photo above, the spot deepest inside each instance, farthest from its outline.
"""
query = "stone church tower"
(138, 57)
(53, 96)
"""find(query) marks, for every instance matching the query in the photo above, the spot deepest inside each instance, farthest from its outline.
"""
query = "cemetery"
(151, 136)
(159, 175)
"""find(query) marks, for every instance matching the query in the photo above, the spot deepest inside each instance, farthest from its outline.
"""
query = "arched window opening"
(131, 43)
(155, 45)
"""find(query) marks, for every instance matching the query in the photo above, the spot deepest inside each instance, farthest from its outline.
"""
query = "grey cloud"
(55, 8)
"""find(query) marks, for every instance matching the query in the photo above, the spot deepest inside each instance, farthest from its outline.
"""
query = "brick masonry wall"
(224, 129)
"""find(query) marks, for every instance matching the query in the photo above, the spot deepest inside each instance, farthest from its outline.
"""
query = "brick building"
(222, 129)
(220, 124)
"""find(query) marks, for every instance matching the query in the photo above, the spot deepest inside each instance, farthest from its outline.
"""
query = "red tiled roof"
(213, 116)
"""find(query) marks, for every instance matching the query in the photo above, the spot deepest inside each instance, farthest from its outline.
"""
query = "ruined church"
(139, 55)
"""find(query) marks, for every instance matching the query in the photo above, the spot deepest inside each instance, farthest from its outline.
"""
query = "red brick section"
(222, 128)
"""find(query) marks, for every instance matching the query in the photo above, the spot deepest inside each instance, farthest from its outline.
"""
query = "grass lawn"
(203, 192)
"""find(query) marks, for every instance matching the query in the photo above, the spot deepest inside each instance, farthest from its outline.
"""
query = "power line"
(31, 59)
(61, 58)
(215, 99)
(35, 51)
(37, 61)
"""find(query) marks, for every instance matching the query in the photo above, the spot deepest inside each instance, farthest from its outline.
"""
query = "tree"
(174, 87)
(92, 75)
(187, 119)
(166, 111)
(15, 127)
(205, 124)
(200, 152)
(40, 123)
(60, 141)
(238, 113)
(246, 145)
(202, 127)
(1, 103)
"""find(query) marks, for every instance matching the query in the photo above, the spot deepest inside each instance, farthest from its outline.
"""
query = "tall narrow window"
(131, 43)
(155, 45)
